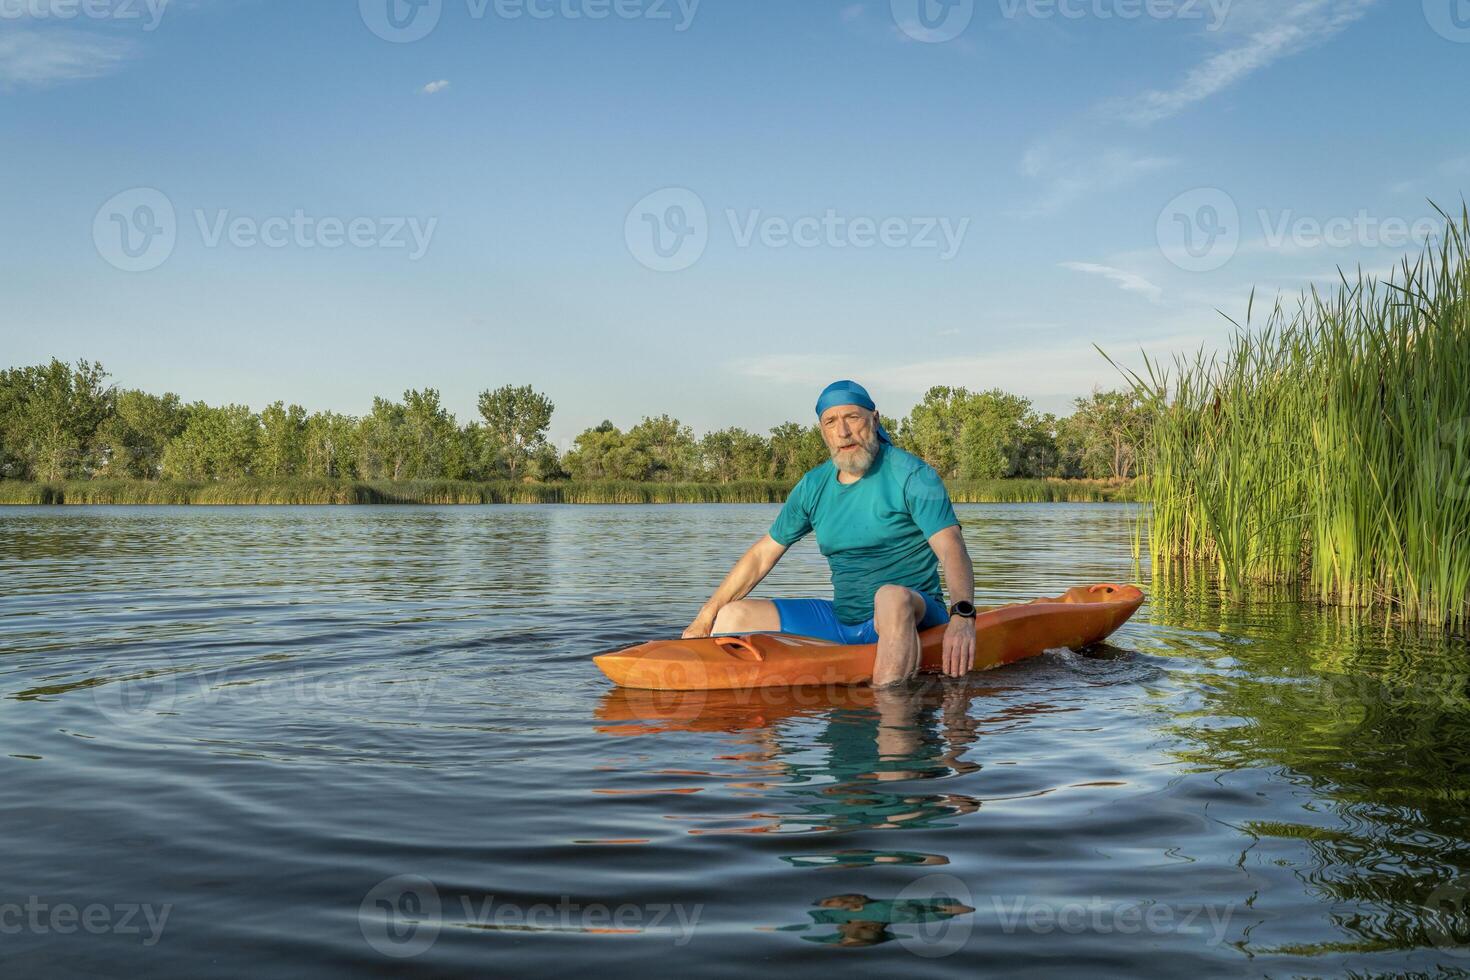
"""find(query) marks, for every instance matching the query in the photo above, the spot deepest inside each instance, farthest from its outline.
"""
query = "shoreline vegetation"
(67, 436)
(348, 492)
(63, 424)
(1329, 449)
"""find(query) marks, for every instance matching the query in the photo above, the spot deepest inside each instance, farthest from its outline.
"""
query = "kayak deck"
(1081, 617)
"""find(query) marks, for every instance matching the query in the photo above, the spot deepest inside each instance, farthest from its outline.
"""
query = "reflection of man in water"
(900, 741)
(864, 921)
(869, 738)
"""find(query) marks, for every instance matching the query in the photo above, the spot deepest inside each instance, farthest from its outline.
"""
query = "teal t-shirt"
(874, 532)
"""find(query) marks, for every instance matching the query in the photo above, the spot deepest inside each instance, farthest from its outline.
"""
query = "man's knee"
(895, 604)
(741, 616)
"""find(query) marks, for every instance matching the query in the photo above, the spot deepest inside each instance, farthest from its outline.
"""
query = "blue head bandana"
(849, 393)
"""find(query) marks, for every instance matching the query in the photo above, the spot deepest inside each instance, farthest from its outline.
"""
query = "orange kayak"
(1083, 616)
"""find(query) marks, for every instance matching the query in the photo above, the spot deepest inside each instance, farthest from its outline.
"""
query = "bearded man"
(884, 521)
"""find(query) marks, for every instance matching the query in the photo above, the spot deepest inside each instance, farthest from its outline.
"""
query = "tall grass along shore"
(1329, 449)
(506, 492)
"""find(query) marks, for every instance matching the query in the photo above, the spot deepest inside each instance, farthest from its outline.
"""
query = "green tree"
(1102, 437)
(735, 454)
(516, 421)
(383, 442)
(1036, 454)
(282, 451)
(131, 441)
(215, 444)
(932, 429)
(330, 446)
(546, 465)
(478, 458)
(669, 447)
(967, 435)
(431, 437)
(12, 463)
(991, 438)
(1072, 456)
(796, 448)
(607, 453)
(51, 414)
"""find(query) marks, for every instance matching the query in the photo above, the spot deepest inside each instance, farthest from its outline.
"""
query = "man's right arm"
(753, 566)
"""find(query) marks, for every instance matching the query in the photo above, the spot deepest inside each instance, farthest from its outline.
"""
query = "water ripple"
(354, 739)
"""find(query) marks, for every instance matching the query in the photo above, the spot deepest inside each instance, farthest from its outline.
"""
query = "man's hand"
(959, 579)
(959, 646)
(702, 626)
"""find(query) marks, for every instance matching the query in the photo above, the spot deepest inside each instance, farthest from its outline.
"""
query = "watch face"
(964, 609)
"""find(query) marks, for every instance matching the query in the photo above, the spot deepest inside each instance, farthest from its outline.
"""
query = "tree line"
(65, 422)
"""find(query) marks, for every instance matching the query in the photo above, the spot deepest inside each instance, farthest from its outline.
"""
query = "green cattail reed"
(1329, 449)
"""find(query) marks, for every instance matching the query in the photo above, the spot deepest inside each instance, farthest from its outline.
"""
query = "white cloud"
(852, 12)
(39, 58)
(1129, 282)
(1054, 374)
(433, 88)
(1072, 175)
(1286, 28)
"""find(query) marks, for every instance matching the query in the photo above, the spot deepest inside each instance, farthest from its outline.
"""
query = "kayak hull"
(1081, 617)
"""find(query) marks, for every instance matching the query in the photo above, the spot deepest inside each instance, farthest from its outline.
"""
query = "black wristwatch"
(964, 610)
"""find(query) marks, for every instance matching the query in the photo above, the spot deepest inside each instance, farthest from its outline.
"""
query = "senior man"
(884, 521)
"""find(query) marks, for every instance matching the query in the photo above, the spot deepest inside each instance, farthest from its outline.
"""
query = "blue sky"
(978, 201)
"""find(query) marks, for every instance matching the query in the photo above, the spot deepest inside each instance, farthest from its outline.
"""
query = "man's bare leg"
(898, 738)
(896, 614)
(748, 616)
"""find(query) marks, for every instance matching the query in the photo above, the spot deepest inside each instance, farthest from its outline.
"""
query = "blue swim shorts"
(817, 618)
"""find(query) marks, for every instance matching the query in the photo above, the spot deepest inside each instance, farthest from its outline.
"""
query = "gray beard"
(856, 462)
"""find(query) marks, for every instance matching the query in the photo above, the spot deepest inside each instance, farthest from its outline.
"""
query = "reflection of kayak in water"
(863, 859)
(638, 712)
(1080, 618)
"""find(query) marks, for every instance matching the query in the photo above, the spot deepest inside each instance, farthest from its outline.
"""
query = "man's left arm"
(959, 577)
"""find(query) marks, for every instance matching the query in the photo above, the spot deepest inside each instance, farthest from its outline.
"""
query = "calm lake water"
(313, 741)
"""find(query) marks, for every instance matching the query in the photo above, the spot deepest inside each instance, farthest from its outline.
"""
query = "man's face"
(851, 434)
